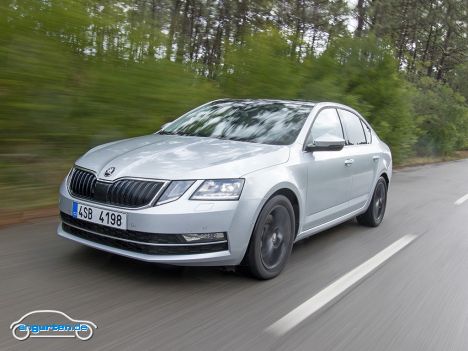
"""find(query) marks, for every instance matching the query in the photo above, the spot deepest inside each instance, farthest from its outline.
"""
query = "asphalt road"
(417, 300)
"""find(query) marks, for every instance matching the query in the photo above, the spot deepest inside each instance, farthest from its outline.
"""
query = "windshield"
(266, 122)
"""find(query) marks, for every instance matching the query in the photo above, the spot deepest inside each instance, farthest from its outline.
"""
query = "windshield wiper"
(244, 139)
(165, 132)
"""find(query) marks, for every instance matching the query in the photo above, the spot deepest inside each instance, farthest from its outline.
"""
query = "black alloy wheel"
(272, 238)
(376, 210)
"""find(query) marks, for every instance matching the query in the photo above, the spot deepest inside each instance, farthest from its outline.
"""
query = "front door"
(329, 175)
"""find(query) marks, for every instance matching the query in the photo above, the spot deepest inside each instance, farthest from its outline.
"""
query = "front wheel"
(272, 239)
(376, 210)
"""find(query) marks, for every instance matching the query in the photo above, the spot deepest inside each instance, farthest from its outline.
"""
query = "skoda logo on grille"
(109, 172)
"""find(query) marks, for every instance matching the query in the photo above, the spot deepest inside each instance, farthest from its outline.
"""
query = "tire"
(376, 210)
(272, 239)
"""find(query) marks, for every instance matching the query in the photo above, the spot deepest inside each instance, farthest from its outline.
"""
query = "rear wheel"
(376, 210)
(272, 239)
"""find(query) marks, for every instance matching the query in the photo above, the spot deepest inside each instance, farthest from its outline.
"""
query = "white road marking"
(337, 288)
(461, 200)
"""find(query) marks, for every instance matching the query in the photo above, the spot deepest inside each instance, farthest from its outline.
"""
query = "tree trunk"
(172, 28)
(360, 17)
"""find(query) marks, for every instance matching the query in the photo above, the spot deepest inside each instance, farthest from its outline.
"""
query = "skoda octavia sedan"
(232, 182)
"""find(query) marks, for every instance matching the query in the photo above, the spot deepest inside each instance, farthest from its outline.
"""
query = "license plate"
(99, 216)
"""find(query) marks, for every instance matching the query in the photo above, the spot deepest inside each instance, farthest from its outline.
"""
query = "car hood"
(181, 157)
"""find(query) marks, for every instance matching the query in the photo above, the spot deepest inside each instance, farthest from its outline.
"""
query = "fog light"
(204, 237)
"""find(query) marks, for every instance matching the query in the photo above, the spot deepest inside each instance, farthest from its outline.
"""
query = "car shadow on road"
(115, 265)
(313, 248)
(345, 238)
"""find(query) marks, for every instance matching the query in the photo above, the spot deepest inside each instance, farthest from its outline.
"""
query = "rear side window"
(354, 131)
(326, 123)
(367, 131)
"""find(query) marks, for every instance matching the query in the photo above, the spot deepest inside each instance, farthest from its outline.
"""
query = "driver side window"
(326, 123)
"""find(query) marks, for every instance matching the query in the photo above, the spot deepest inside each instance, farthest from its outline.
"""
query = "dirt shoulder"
(11, 217)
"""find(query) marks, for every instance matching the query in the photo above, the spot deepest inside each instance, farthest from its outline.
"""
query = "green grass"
(30, 184)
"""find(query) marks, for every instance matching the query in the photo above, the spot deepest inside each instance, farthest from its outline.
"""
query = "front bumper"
(235, 218)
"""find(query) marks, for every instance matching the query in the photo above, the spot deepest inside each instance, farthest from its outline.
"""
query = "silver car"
(232, 182)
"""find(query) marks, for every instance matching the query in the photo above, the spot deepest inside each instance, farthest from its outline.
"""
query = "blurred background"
(77, 73)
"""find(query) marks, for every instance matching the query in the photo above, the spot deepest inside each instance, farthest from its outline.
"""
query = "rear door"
(360, 163)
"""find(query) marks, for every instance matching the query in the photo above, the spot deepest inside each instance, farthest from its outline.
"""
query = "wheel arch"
(385, 176)
(294, 199)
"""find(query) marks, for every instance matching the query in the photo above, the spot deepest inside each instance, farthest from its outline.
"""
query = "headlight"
(219, 189)
(175, 190)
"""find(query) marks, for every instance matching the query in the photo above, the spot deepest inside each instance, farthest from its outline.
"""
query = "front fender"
(262, 184)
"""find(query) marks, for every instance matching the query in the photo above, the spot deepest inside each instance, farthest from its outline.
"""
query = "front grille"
(83, 183)
(130, 193)
(142, 247)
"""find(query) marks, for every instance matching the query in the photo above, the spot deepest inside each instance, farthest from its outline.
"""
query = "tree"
(363, 74)
(261, 68)
(429, 36)
(442, 118)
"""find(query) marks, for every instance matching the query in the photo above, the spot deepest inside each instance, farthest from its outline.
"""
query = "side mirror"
(326, 142)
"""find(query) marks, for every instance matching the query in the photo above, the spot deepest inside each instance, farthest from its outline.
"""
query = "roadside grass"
(28, 185)
(424, 160)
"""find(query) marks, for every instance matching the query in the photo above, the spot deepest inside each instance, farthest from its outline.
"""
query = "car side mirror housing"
(326, 143)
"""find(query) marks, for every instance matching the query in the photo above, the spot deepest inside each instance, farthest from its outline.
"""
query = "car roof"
(307, 103)
(262, 101)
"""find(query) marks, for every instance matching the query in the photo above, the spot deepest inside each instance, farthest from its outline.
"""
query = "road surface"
(417, 299)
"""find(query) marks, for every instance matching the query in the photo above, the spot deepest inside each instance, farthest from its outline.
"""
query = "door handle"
(348, 162)
(375, 158)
